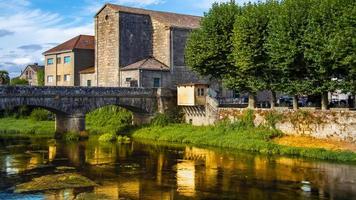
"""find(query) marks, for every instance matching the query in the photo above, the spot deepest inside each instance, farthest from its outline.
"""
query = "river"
(143, 170)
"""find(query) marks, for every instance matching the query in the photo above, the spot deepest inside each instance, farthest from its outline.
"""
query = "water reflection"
(151, 171)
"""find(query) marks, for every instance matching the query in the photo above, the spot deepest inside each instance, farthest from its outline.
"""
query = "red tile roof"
(167, 18)
(147, 64)
(79, 42)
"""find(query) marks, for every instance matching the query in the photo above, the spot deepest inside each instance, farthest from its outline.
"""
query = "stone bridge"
(71, 104)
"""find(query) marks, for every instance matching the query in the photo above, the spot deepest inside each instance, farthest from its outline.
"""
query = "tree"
(40, 77)
(326, 47)
(208, 49)
(252, 72)
(18, 81)
(4, 77)
(285, 47)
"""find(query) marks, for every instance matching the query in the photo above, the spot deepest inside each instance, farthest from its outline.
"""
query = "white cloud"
(30, 27)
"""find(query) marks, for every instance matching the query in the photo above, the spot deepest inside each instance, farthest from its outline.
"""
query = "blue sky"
(29, 27)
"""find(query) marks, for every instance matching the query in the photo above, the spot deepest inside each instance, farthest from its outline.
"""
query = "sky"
(30, 27)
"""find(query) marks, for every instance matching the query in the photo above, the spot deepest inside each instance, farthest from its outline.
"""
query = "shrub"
(40, 114)
(247, 118)
(161, 120)
(107, 119)
(108, 137)
(123, 139)
(272, 118)
(71, 136)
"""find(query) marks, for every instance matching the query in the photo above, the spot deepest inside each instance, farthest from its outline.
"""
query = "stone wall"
(135, 31)
(107, 47)
(333, 124)
(161, 42)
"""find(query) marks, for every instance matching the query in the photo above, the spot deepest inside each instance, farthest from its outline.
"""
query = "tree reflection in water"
(159, 171)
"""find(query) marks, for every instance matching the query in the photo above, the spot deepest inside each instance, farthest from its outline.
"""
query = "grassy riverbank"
(236, 136)
(12, 127)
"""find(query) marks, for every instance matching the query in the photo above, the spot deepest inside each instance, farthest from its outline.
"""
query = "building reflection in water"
(142, 171)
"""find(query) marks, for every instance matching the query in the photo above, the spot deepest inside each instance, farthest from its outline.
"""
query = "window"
(66, 77)
(66, 59)
(49, 79)
(133, 83)
(156, 82)
(89, 83)
(58, 78)
(50, 61)
(201, 92)
(128, 79)
(59, 60)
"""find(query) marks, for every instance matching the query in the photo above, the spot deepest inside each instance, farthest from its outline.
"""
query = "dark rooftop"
(79, 42)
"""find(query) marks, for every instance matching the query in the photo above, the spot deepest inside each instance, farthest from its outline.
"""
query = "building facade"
(30, 74)
(64, 62)
(141, 48)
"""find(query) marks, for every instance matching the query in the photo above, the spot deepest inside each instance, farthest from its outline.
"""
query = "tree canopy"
(298, 47)
(209, 48)
(4, 77)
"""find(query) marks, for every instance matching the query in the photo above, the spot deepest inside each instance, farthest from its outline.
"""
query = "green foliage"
(248, 118)
(107, 119)
(160, 120)
(71, 137)
(40, 114)
(41, 77)
(208, 49)
(108, 137)
(251, 72)
(25, 127)
(18, 81)
(123, 139)
(236, 136)
(4, 77)
(272, 118)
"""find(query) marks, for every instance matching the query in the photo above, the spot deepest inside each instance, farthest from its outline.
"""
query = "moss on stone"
(55, 182)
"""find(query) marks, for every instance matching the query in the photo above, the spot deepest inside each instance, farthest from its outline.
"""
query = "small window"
(89, 83)
(67, 59)
(66, 77)
(128, 79)
(58, 78)
(156, 82)
(133, 83)
(106, 17)
(59, 60)
(201, 92)
(49, 79)
(50, 61)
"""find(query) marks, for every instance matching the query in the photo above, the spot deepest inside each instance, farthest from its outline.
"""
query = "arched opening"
(27, 120)
(109, 119)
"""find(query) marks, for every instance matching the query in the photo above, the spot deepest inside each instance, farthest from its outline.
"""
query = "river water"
(142, 170)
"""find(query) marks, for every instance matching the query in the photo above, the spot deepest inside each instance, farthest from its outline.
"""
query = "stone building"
(88, 77)
(30, 73)
(141, 48)
(64, 62)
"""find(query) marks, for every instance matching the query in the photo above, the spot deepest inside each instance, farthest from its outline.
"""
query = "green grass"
(236, 136)
(11, 127)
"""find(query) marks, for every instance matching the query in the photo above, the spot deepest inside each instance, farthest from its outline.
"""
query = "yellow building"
(64, 62)
(192, 94)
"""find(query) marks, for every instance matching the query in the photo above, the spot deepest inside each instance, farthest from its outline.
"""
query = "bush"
(161, 120)
(71, 136)
(123, 139)
(272, 118)
(108, 119)
(108, 137)
(40, 114)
